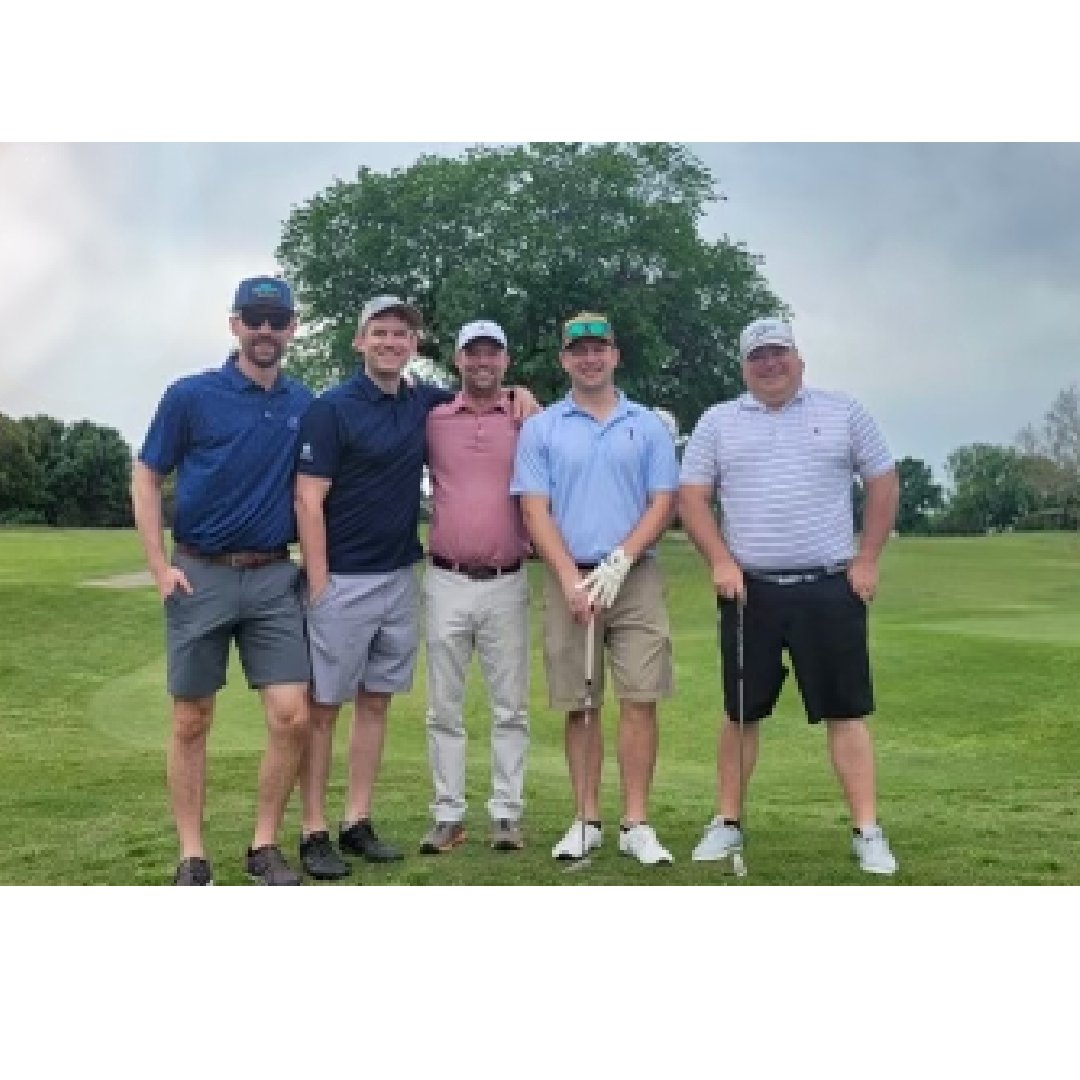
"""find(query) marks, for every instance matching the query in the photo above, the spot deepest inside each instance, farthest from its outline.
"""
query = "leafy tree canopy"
(528, 236)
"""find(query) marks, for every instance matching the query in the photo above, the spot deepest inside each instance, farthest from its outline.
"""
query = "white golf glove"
(605, 581)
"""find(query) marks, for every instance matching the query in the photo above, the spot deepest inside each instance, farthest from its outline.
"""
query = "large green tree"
(919, 496)
(991, 488)
(92, 478)
(528, 235)
(16, 469)
(44, 437)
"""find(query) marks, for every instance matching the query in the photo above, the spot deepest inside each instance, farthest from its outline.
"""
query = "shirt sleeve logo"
(305, 452)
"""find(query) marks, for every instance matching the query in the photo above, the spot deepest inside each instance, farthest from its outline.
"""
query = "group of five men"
(589, 485)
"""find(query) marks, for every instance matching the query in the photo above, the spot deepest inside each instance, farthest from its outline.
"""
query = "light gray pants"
(491, 617)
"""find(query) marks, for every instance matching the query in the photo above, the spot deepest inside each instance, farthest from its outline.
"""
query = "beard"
(262, 360)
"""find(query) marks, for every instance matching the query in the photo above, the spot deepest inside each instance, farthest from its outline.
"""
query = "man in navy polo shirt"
(230, 434)
(359, 470)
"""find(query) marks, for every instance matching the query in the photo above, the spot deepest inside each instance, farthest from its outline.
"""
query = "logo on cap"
(266, 291)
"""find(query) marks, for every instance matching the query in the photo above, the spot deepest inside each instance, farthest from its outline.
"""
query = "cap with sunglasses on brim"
(263, 292)
(382, 305)
(587, 324)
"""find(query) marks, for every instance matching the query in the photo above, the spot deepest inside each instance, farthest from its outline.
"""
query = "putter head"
(577, 864)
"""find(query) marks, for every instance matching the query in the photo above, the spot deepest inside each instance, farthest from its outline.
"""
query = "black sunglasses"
(253, 318)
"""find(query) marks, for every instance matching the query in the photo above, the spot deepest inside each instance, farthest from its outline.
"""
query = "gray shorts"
(363, 635)
(262, 610)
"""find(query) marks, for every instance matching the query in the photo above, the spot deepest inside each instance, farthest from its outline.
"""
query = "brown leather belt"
(238, 560)
(475, 573)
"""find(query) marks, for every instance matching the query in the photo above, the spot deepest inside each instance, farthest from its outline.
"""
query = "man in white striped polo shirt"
(781, 459)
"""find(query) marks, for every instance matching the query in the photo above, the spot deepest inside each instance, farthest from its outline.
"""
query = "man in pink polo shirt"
(476, 591)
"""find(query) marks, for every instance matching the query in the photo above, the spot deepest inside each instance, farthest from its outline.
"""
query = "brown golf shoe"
(442, 837)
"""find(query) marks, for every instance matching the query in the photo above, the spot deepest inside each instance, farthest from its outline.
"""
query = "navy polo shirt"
(233, 446)
(370, 446)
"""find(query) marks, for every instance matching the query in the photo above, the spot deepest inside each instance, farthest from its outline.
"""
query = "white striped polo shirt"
(783, 476)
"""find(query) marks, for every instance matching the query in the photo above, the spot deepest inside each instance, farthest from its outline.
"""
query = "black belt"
(805, 576)
(238, 560)
(475, 573)
(587, 565)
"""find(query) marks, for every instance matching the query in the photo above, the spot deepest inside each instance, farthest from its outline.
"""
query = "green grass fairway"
(975, 646)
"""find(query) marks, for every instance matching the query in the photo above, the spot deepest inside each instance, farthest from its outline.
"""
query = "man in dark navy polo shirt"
(230, 435)
(359, 469)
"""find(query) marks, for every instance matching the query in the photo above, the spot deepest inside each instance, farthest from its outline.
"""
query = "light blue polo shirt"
(597, 476)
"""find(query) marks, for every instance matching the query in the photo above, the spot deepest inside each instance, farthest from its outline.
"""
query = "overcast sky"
(938, 283)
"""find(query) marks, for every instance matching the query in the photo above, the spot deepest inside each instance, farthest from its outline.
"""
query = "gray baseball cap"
(380, 305)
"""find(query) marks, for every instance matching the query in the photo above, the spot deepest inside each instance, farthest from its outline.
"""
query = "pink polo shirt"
(475, 520)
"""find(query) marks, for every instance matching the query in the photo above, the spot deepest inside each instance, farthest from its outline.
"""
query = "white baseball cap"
(380, 305)
(769, 331)
(481, 328)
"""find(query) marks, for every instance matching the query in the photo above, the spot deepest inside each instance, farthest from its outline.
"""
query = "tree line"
(1032, 485)
(71, 475)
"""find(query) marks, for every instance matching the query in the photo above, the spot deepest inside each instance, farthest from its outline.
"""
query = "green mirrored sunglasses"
(599, 329)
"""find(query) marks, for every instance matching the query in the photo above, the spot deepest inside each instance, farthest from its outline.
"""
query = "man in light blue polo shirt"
(230, 434)
(780, 460)
(597, 476)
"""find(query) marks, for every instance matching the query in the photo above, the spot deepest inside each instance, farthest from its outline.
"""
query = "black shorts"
(822, 624)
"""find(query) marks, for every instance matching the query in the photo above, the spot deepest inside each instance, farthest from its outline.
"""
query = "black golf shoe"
(194, 871)
(360, 839)
(320, 859)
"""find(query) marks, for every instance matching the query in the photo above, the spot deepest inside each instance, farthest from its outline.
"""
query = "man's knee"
(192, 718)
(288, 712)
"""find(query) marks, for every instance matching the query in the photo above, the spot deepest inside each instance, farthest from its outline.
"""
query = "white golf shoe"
(579, 840)
(719, 842)
(872, 850)
(641, 842)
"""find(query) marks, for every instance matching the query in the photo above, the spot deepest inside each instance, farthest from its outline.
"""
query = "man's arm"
(549, 545)
(699, 522)
(651, 524)
(879, 515)
(522, 403)
(310, 494)
(146, 507)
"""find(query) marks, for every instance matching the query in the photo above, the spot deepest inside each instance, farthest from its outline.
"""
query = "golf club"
(590, 633)
(738, 864)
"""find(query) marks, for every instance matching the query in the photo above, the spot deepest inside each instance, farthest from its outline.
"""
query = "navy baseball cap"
(263, 292)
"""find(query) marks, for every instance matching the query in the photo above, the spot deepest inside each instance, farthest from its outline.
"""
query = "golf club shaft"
(740, 603)
(590, 657)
